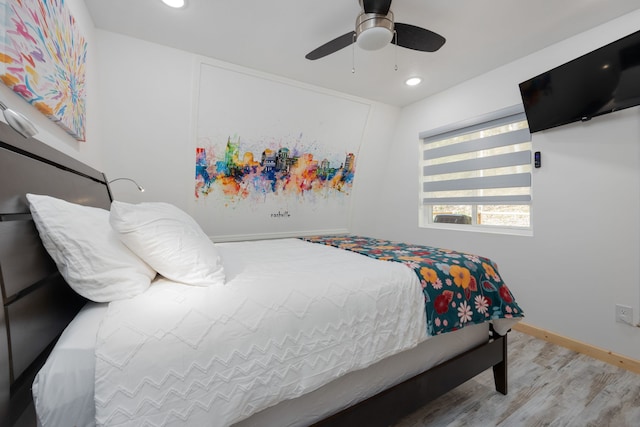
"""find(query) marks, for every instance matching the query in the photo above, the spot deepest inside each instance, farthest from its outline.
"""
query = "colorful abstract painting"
(43, 58)
(272, 171)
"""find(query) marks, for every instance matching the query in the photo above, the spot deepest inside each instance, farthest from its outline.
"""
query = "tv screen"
(600, 82)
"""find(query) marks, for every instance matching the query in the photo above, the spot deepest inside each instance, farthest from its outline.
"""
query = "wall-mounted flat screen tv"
(600, 82)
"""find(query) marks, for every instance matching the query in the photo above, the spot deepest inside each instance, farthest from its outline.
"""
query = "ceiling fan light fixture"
(374, 31)
(177, 4)
(374, 38)
(375, 28)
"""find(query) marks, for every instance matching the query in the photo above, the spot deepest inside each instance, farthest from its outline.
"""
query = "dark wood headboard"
(37, 303)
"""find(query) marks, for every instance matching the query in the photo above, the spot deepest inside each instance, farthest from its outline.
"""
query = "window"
(478, 173)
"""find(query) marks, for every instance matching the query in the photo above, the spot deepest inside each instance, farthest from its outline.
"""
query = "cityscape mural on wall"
(275, 170)
(272, 158)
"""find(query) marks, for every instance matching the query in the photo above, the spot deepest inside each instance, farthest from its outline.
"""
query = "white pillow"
(169, 240)
(87, 251)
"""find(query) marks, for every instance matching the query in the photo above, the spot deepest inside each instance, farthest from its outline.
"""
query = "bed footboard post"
(500, 369)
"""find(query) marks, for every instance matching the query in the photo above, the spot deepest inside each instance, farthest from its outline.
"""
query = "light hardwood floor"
(549, 385)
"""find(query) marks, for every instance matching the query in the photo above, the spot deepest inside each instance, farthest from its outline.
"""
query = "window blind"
(486, 162)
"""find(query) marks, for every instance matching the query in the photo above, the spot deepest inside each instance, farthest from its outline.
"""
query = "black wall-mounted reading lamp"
(18, 122)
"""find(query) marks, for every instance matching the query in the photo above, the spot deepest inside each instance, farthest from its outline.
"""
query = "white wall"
(145, 93)
(372, 167)
(584, 255)
(89, 151)
(147, 121)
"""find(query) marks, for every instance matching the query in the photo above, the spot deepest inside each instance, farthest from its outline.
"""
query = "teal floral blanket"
(459, 289)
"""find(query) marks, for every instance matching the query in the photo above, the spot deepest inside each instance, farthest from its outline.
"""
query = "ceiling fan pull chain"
(395, 49)
(353, 54)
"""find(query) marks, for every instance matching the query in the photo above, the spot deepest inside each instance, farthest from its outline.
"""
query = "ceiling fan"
(375, 29)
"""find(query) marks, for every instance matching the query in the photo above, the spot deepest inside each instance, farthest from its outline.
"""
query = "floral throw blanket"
(459, 289)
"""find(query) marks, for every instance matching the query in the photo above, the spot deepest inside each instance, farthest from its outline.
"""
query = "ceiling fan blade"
(332, 46)
(417, 38)
(376, 6)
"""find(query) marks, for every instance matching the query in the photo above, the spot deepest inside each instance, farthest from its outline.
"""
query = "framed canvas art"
(43, 59)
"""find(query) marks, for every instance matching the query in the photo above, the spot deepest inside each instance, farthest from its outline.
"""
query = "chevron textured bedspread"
(291, 317)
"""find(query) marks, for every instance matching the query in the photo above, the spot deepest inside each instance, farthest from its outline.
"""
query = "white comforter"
(292, 316)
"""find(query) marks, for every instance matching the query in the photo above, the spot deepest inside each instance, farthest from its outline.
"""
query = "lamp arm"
(141, 188)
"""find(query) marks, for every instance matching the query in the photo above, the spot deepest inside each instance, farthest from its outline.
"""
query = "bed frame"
(38, 304)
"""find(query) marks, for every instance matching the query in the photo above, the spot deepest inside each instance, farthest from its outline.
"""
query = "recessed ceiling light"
(413, 81)
(174, 3)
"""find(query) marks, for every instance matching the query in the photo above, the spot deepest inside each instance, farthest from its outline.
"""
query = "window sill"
(512, 231)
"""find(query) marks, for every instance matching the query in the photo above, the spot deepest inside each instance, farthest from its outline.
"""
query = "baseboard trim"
(612, 358)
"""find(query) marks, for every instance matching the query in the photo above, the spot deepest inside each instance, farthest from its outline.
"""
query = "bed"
(370, 381)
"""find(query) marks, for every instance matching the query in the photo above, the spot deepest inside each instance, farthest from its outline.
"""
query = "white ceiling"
(274, 37)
